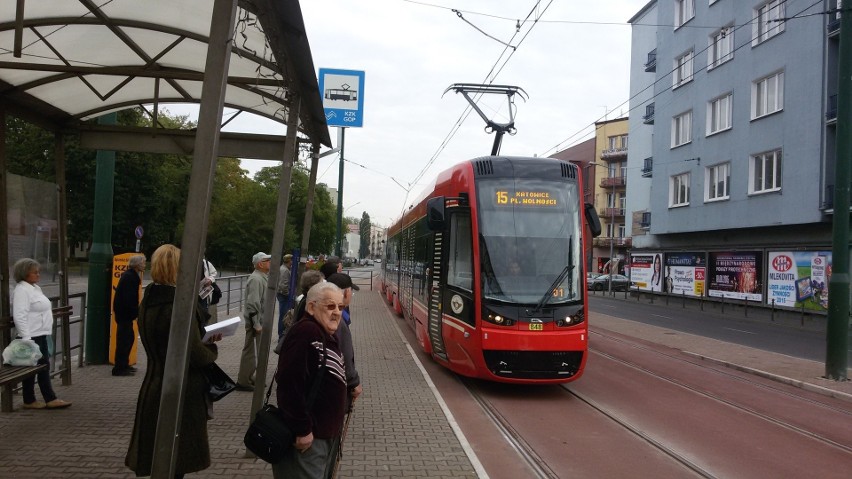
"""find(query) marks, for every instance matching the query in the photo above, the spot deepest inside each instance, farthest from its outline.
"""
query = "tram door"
(408, 267)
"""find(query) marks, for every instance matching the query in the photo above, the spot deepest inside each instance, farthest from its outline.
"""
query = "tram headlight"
(572, 319)
(498, 319)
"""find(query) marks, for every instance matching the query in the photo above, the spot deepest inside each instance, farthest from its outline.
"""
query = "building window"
(767, 95)
(718, 180)
(721, 48)
(719, 114)
(617, 142)
(682, 129)
(682, 69)
(765, 172)
(679, 190)
(768, 21)
(684, 11)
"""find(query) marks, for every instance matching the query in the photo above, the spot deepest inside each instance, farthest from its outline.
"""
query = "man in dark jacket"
(311, 353)
(126, 308)
(344, 337)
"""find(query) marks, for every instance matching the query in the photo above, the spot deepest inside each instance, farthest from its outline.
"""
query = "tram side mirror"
(435, 214)
(592, 220)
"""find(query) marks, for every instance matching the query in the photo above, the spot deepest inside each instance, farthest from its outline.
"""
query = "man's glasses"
(333, 306)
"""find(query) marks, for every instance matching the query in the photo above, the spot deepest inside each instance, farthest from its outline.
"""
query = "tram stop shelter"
(66, 62)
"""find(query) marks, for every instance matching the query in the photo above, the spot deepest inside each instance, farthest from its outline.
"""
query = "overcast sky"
(573, 63)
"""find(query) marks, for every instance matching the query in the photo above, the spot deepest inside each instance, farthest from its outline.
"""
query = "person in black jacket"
(311, 353)
(126, 308)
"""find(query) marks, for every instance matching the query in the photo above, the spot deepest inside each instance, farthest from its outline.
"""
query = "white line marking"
(739, 330)
(661, 316)
(477, 466)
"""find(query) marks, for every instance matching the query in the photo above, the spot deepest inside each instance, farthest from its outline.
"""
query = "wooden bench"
(12, 375)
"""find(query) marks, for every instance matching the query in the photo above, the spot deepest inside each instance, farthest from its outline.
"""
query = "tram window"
(460, 265)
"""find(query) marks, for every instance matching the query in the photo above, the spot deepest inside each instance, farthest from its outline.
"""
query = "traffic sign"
(138, 232)
(342, 97)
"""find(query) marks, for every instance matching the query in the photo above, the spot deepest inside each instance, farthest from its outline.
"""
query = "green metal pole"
(339, 237)
(100, 257)
(837, 332)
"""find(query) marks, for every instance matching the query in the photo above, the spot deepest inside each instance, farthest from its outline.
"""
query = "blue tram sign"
(342, 97)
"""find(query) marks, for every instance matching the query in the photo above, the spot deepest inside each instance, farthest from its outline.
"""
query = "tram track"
(538, 467)
(677, 457)
(716, 397)
(703, 364)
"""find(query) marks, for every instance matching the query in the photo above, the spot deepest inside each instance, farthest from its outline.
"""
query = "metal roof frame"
(64, 62)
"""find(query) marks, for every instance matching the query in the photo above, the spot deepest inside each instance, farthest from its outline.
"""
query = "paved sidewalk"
(397, 429)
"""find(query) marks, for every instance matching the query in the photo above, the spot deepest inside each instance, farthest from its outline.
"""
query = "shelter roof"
(66, 61)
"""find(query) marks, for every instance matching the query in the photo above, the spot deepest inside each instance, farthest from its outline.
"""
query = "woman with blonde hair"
(155, 317)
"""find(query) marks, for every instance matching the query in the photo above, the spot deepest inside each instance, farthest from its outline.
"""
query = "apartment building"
(732, 149)
(603, 160)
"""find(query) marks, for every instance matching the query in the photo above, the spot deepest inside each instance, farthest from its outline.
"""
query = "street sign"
(342, 97)
(138, 232)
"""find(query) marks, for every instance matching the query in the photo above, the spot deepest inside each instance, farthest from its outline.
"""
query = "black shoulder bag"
(268, 437)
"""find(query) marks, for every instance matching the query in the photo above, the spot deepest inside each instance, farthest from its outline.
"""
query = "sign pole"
(339, 237)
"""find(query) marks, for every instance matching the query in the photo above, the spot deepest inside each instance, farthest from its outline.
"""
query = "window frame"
(762, 14)
(679, 184)
(683, 70)
(760, 95)
(714, 59)
(762, 159)
(678, 129)
(680, 14)
(712, 116)
(711, 179)
(458, 242)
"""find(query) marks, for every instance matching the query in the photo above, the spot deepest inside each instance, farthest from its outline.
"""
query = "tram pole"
(338, 239)
(837, 331)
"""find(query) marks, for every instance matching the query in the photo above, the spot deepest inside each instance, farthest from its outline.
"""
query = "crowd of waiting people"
(314, 342)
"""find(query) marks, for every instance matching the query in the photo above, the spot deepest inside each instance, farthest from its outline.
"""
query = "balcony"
(651, 64)
(831, 111)
(645, 222)
(618, 242)
(648, 117)
(607, 213)
(648, 167)
(613, 181)
(614, 154)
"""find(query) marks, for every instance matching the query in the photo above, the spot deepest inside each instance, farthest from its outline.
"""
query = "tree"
(364, 231)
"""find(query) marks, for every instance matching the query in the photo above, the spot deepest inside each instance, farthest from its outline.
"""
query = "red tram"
(488, 267)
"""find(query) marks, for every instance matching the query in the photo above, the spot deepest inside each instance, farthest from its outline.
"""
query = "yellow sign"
(525, 198)
(119, 266)
(536, 327)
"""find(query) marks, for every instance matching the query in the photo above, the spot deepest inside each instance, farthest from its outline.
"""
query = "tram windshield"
(529, 236)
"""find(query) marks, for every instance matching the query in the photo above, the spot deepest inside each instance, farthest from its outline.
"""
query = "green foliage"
(364, 233)
(151, 190)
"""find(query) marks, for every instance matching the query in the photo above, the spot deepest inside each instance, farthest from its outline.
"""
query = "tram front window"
(529, 233)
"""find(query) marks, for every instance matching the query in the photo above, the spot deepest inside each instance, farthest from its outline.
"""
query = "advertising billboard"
(685, 274)
(735, 275)
(799, 279)
(646, 270)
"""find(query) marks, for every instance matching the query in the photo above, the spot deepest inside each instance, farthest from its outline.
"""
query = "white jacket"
(31, 311)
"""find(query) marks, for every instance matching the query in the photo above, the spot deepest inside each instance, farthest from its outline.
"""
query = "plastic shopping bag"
(21, 352)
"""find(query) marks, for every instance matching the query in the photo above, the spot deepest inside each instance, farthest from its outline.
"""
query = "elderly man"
(253, 317)
(126, 308)
(310, 354)
(283, 293)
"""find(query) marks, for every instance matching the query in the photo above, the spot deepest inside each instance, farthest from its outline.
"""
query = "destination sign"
(525, 198)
